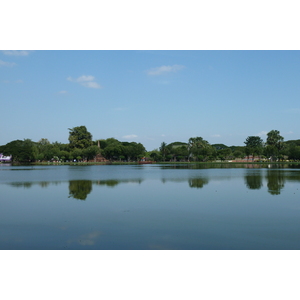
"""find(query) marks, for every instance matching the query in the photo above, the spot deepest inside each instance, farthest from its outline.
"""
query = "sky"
(149, 97)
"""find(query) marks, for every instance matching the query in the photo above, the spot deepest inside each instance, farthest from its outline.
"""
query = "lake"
(172, 206)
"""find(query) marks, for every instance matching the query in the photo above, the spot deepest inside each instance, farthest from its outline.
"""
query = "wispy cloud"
(6, 64)
(63, 92)
(129, 136)
(164, 70)
(262, 133)
(87, 81)
(16, 52)
(216, 135)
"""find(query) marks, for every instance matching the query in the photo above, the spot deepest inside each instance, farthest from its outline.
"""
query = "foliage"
(163, 150)
(79, 137)
(275, 139)
(254, 145)
(274, 143)
(82, 148)
(198, 146)
(21, 151)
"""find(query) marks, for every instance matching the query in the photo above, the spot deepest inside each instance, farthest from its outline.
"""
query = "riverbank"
(160, 163)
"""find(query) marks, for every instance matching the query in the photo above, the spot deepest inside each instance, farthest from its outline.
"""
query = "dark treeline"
(81, 147)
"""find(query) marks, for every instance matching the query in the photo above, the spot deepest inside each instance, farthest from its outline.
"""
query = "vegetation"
(254, 145)
(81, 148)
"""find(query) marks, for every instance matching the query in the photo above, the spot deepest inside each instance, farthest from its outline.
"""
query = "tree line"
(81, 147)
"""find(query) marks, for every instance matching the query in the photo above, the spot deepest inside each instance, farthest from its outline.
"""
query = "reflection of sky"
(88, 239)
(148, 213)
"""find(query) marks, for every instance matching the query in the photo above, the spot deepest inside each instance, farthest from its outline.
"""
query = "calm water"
(149, 207)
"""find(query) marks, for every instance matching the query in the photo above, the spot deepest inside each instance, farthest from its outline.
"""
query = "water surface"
(150, 207)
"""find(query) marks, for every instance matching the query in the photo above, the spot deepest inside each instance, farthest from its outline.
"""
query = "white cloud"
(63, 92)
(85, 78)
(262, 133)
(164, 70)
(6, 64)
(15, 52)
(216, 135)
(87, 81)
(130, 136)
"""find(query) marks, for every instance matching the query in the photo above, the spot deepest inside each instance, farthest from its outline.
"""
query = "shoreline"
(154, 163)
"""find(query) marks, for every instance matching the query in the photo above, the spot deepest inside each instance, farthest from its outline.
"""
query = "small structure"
(98, 157)
(4, 158)
(145, 161)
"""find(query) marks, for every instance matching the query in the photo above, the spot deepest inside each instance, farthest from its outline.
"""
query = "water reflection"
(114, 182)
(29, 184)
(203, 166)
(198, 182)
(79, 189)
(254, 181)
(272, 177)
(276, 180)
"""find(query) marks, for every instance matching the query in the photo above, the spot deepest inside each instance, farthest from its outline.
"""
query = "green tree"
(198, 146)
(79, 137)
(21, 151)
(90, 152)
(163, 150)
(254, 145)
(275, 143)
(225, 153)
(294, 152)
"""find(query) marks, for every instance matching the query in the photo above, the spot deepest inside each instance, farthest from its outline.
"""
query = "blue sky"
(150, 96)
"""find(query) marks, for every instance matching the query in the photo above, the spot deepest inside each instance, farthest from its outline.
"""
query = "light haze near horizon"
(150, 96)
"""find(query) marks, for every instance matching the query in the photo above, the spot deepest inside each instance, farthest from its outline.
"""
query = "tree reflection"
(110, 183)
(276, 181)
(254, 181)
(198, 182)
(114, 182)
(25, 185)
(44, 184)
(79, 189)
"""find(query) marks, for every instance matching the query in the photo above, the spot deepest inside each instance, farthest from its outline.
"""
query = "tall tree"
(275, 139)
(79, 137)
(254, 145)
(274, 143)
(197, 146)
(163, 150)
